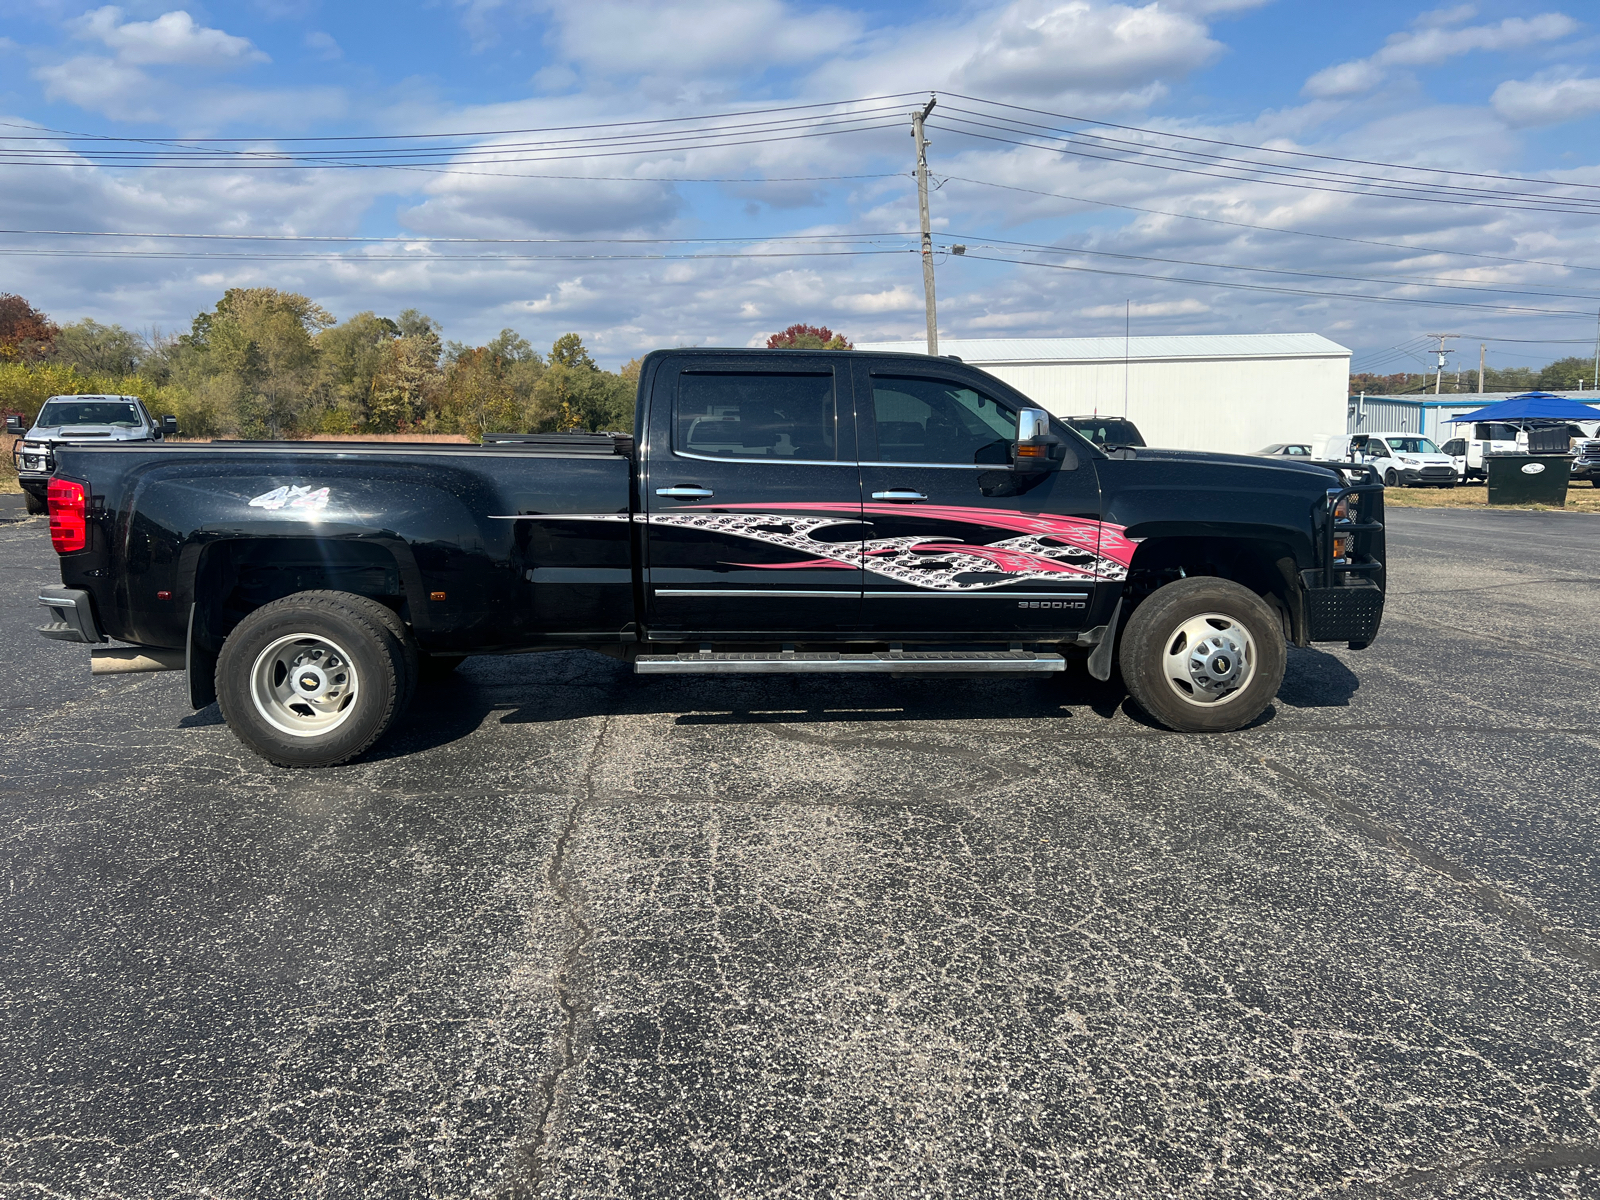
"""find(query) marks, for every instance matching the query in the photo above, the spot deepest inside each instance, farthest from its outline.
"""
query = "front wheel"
(1203, 655)
(1391, 479)
(34, 504)
(313, 679)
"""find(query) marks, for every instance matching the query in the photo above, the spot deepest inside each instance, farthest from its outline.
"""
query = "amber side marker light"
(69, 522)
(435, 595)
(1030, 452)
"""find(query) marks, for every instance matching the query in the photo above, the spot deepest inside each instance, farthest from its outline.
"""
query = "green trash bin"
(1529, 478)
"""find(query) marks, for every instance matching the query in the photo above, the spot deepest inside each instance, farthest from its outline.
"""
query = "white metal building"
(1225, 392)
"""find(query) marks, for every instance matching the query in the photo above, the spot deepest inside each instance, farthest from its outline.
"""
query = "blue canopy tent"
(1532, 406)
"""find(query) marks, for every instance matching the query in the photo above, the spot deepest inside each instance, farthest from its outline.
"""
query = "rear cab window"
(766, 415)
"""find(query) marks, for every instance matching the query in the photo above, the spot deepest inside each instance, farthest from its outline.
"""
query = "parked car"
(1107, 431)
(1586, 465)
(1456, 451)
(64, 420)
(1402, 459)
(804, 512)
(1288, 449)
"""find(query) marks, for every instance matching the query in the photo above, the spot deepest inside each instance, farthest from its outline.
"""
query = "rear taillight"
(69, 523)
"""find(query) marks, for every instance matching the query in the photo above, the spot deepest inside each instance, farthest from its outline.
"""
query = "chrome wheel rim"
(304, 685)
(1209, 659)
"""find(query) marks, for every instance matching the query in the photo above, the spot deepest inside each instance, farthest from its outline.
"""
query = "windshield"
(1413, 446)
(88, 412)
(1107, 431)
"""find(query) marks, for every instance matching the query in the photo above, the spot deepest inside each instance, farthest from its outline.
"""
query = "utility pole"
(1438, 383)
(1482, 350)
(917, 119)
(1597, 352)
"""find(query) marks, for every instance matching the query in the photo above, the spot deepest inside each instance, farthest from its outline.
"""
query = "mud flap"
(200, 665)
(1105, 653)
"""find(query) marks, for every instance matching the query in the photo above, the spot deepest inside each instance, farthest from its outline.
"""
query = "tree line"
(264, 363)
(1563, 375)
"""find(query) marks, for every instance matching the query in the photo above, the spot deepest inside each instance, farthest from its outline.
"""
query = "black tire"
(408, 644)
(35, 505)
(352, 647)
(1155, 639)
(1391, 479)
(436, 667)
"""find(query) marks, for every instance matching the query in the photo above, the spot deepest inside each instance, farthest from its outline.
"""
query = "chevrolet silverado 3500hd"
(777, 511)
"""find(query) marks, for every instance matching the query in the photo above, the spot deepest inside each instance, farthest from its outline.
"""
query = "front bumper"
(73, 613)
(1435, 476)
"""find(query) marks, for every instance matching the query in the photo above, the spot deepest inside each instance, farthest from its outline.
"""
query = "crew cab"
(778, 511)
(64, 420)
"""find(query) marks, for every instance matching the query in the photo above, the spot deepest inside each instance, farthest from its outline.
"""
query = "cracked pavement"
(570, 933)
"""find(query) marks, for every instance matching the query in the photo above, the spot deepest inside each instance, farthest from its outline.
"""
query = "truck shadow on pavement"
(529, 690)
(544, 689)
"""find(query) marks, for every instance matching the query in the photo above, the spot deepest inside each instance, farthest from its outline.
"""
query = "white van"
(1402, 459)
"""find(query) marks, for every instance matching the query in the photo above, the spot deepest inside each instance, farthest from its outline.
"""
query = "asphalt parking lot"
(571, 933)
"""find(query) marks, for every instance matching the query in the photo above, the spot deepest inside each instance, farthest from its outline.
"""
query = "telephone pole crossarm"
(917, 120)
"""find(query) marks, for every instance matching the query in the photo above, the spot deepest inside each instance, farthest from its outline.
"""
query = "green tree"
(1567, 375)
(350, 356)
(91, 346)
(265, 341)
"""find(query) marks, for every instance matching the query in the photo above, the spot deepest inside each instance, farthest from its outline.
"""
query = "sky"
(673, 173)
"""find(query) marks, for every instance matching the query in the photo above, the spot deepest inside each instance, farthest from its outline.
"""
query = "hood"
(86, 433)
(1273, 462)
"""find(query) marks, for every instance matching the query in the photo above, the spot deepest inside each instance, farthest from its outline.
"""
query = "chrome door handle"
(905, 494)
(685, 493)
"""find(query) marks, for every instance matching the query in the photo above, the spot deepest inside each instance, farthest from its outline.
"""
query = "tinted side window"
(756, 415)
(922, 420)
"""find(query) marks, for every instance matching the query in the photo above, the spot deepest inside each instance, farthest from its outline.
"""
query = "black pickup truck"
(778, 511)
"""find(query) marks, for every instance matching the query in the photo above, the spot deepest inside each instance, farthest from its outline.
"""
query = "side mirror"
(169, 426)
(14, 425)
(1031, 451)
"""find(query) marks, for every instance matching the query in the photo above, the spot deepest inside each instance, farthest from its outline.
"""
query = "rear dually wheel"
(313, 679)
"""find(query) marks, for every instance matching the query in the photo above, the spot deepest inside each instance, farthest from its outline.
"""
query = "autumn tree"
(809, 337)
(26, 334)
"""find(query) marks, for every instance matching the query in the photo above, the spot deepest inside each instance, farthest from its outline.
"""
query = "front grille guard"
(47, 448)
(1366, 502)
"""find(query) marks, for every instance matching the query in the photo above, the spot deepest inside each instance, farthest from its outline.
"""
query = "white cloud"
(171, 39)
(323, 44)
(1159, 308)
(100, 85)
(1044, 47)
(1546, 100)
(1434, 43)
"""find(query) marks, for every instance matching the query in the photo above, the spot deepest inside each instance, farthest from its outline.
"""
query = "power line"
(1332, 237)
(1275, 150)
(949, 126)
(380, 137)
(1272, 170)
(1417, 281)
(1256, 287)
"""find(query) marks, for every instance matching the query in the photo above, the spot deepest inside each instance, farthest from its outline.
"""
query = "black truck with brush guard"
(775, 511)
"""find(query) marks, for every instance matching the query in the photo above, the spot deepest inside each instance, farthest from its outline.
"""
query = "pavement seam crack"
(568, 998)
(1491, 897)
(1550, 1156)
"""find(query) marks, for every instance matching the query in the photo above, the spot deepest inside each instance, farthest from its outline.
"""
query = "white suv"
(1402, 459)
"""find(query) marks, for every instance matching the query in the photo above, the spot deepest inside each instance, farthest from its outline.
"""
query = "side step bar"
(907, 662)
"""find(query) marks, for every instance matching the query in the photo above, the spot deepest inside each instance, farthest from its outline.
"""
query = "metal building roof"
(1144, 349)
